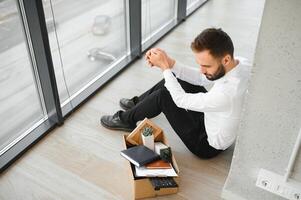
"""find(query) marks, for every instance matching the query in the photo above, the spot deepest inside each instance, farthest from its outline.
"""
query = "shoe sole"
(116, 129)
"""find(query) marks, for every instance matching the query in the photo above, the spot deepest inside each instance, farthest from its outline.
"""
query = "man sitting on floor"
(205, 121)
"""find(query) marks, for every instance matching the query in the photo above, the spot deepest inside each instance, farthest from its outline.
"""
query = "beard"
(220, 72)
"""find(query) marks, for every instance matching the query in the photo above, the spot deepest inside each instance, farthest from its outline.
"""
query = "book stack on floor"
(148, 163)
(153, 168)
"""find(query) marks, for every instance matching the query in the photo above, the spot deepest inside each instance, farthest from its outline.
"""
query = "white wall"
(272, 110)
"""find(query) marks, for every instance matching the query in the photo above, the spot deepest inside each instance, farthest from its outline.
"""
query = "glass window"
(155, 15)
(20, 105)
(86, 38)
(193, 4)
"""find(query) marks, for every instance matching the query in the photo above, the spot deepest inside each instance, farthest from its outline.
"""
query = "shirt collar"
(230, 74)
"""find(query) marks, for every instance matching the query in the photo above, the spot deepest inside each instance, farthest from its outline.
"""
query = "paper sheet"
(143, 171)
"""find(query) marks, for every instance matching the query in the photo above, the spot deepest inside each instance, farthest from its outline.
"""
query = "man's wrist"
(172, 63)
(165, 65)
(165, 70)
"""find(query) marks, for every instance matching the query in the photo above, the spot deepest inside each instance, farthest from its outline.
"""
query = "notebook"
(140, 155)
(158, 164)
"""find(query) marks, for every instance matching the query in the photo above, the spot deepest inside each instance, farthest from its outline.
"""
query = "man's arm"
(190, 74)
(199, 102)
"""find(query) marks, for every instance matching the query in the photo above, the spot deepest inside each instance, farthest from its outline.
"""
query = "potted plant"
(166, 154)
(148, 137)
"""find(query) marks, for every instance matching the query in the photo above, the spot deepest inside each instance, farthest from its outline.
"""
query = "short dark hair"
(215, 40)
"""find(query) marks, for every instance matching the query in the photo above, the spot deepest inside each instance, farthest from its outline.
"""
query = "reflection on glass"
(191, 2)
(155, 14)
(20, 105)
(86, 37)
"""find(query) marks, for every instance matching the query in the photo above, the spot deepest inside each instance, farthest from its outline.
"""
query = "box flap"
(135, 136)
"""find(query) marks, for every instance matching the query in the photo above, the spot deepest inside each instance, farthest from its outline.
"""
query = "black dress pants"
(189, 125)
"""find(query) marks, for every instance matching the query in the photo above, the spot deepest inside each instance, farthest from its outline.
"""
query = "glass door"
(87, 38)
(21, 105)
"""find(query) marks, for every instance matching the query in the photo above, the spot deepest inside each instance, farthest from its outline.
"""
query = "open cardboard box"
(142, 185)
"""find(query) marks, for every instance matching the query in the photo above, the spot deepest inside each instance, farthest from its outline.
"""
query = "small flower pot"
(148, 141)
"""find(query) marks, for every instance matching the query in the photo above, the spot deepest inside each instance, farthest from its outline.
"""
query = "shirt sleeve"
(199, 102)
(190, 75)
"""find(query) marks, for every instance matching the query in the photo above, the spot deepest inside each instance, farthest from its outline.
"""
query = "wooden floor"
(81, 160)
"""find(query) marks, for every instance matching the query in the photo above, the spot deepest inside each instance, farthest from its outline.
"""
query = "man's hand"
(147, 57)
(158, 57)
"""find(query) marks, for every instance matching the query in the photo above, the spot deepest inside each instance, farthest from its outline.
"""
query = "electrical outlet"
(276, 184)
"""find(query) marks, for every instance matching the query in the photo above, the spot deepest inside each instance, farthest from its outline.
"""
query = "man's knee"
(164, 94)
(189, 88)
(165, 98)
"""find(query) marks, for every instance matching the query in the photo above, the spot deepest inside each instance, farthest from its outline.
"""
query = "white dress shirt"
(221, 105)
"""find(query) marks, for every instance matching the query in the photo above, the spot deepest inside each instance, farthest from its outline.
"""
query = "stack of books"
(148, 163)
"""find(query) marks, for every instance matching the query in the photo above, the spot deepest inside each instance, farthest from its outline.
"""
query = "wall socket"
(276, 184)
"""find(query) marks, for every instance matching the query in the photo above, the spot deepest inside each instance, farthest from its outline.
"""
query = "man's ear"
(226, 59)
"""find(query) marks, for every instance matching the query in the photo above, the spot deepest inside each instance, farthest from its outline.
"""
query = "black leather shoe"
(114, 122)
(127, 104)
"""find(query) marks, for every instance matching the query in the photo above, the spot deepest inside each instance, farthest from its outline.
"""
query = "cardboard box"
(142, 185)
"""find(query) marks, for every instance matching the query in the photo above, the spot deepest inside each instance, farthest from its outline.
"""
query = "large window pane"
(86, 38)
(155, 15)
(20, 105)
